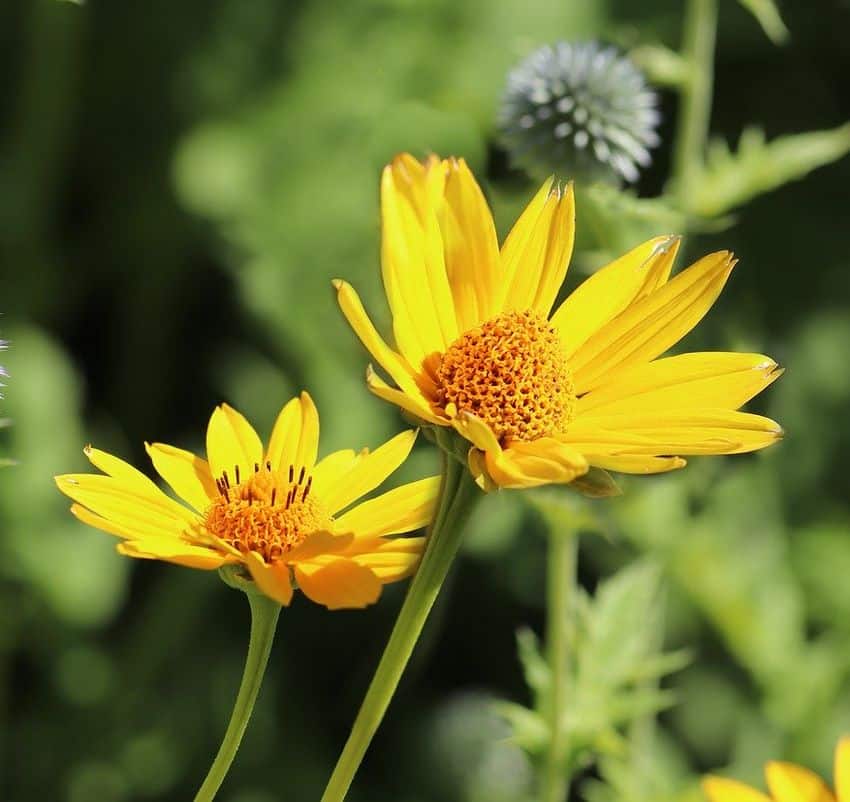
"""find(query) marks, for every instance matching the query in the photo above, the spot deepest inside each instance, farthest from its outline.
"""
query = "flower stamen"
(248, 516)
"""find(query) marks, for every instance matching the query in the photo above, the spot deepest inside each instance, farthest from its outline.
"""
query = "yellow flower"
(787, 783)
(541, 399)
(276, 512)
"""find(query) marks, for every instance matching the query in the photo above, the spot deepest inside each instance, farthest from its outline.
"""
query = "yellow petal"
(188, 475)
(389, 566)
(174, 551)
(540, 462)
(416, 385)
(414, 404)
(650, 326)
(476, 431)
(338, 584)
(719, 789)
(105, 525)
(232, 442)
(636, 464)
(295, 435)
(713, 379)
(401, 509)
(271, 578)
(543, 265)
(611, 289)
(404, 216)
(521, 249)
(139, 514)
(697, 431)
(331, 469)
(790, 783)
(369, 470)
(118, 469)
(319, 543)
(471, 248)
(842, 770)
(286, 435)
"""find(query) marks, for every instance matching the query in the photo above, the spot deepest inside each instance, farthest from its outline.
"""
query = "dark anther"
(301, 475)
(269, 465)
(274, 495)
(256, 467)
(226, 479)
(236, 471)
(291, 473)
(307, 489)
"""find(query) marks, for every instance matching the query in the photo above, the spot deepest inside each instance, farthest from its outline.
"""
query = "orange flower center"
(510, 372)
(269, 512)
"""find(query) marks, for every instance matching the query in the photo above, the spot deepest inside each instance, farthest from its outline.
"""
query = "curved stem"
(560, 587)
(457, 496)
(264, 614)
(698, 51)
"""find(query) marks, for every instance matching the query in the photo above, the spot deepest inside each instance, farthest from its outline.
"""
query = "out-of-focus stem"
(560, 589)
(700, 32)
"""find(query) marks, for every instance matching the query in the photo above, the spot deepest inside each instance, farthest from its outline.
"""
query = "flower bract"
(540, 396)
(277, 512)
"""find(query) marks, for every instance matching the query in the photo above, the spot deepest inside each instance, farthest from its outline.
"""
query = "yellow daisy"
(787, 782)
(543, 398)
(278, 512)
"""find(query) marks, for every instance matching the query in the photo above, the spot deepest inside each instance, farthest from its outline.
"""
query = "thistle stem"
(264, 615)
(458, 493)
(700, 32)
(560, 589)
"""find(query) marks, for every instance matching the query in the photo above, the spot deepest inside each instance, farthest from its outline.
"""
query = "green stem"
(560, 588)
(264, 614)
(700, 31)
(458, 493)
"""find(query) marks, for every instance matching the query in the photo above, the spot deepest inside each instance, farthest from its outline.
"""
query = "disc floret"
(512, 374)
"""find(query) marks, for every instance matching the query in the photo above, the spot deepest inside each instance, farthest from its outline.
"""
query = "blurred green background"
(178, 184)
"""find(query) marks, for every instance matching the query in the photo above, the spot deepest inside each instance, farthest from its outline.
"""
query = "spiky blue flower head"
(579, 110)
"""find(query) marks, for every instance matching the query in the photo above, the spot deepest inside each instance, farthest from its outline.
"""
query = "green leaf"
(730, 179)
(535, 668)
(530, 730)
(767, 14)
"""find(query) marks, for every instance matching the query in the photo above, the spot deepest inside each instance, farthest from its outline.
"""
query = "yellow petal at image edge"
(788, 782)
(719, 789)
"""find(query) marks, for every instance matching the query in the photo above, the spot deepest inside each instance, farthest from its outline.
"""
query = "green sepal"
(596, 483)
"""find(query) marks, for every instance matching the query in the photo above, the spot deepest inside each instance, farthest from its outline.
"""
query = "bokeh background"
(178, 184)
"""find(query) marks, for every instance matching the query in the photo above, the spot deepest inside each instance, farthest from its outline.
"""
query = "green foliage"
(731, 179)
(615, 666)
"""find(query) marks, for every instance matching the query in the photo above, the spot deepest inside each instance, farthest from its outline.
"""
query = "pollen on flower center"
(270, 512)
(511, 373)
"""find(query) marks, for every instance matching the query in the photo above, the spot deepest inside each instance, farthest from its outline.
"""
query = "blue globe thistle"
(579, 110)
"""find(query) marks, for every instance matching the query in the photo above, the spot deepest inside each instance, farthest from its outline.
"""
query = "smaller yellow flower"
(787, 782)
(278, 512)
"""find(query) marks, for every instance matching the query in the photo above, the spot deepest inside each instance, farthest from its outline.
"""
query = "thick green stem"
(560, 589)
(457, 497)
(264, 614)
(700, 32)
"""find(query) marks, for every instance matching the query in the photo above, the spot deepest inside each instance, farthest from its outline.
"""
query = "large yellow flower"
(787, 783)
(541, 399)
(277, 512)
